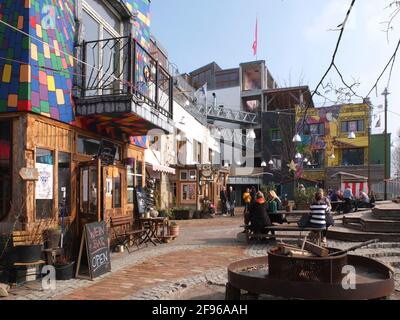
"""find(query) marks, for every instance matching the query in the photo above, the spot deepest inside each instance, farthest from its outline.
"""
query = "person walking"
(224, 198)
(231, 201)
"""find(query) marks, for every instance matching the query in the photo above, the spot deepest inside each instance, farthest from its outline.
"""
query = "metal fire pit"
(309, 269)
(374, 280)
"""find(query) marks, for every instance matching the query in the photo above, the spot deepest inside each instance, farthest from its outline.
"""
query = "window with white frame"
(101, 22)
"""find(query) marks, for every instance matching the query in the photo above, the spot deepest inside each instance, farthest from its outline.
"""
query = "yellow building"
(334, 145)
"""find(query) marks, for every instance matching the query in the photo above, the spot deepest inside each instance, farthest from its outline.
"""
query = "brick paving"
(197, 260)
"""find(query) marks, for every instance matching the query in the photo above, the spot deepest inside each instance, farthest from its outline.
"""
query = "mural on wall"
(36, 72)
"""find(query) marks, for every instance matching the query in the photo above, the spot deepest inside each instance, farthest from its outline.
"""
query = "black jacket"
(232, 196)
(258, 216)
(222, 196)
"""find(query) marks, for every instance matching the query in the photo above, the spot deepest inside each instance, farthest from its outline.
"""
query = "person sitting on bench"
(258, 216)
(273, 214)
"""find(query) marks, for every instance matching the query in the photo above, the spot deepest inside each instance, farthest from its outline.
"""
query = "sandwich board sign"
(95, 239)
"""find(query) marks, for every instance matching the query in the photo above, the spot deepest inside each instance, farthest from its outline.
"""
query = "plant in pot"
(303, 198)
(51, 237)
(29, 247)
(173, 229)
(183, 213)
(64, 268)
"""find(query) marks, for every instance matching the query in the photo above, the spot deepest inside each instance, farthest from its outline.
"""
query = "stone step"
(378, 253)
(343, 233)
(392, 261)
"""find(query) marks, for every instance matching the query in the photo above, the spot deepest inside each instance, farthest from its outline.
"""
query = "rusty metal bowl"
(374, 280)
(309, 269)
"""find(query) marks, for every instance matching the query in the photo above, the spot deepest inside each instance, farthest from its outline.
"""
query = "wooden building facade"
(54, 174)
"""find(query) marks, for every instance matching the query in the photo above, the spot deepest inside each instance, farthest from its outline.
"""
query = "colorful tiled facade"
(327, 137)
(37, 71)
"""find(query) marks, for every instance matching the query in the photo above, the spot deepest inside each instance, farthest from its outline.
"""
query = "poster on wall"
(44, 186)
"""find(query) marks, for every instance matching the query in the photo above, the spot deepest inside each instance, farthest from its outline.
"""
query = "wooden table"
(152, 227)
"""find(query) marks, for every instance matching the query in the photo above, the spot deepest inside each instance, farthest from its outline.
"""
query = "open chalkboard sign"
(95, 239)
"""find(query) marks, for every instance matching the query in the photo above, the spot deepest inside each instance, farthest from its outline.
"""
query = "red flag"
(255, 43)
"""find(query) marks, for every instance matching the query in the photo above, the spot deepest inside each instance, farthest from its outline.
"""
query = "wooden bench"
(127, 233)
(283, 228)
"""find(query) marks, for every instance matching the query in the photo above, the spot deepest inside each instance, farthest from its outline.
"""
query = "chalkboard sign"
(107, 152)
(95, 238)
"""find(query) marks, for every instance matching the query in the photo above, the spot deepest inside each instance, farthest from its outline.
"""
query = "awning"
(350, 175)
(152, 159)
(163, 169)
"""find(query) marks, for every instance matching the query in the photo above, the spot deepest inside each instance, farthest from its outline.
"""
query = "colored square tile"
(50, 83)
(44, 107)
(25, 73)
(13, 100)
(60, 96)
(7, 73)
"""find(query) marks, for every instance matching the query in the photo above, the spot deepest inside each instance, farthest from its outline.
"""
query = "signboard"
(107, 152)
(95, 238)
(44, 185)
(29, 174)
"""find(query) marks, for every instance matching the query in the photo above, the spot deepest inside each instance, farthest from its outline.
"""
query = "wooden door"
(90, 208)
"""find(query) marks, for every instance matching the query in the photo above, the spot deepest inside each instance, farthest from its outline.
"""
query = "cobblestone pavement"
(193, 266)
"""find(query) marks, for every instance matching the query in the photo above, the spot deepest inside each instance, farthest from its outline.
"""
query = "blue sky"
(294, 39)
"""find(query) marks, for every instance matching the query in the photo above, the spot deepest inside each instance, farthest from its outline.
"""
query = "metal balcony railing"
(121, 66)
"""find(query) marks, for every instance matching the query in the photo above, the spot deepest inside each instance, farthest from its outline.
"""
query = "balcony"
(121, 90)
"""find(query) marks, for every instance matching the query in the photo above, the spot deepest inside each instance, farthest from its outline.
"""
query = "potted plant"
(30, 249)
(303, 198)
(64, 268)
(51, 237)
(173, 229)
(184, 213)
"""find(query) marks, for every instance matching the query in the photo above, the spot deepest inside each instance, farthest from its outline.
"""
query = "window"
(315, 129)
(276, 135)
(101, 23)
(183, 175)
(188, 192)
(134, 179)
(251, 105)
(88, 146)
(277, 160)
(5, 167)
(131, 184)
(192, 175)
(318, 159)
(44, 186)
(117, 191)
(197, 155)
(252, 78)
(64, 183)
(139, 174)
(353, 126)
(352, 157)
(210, 155)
